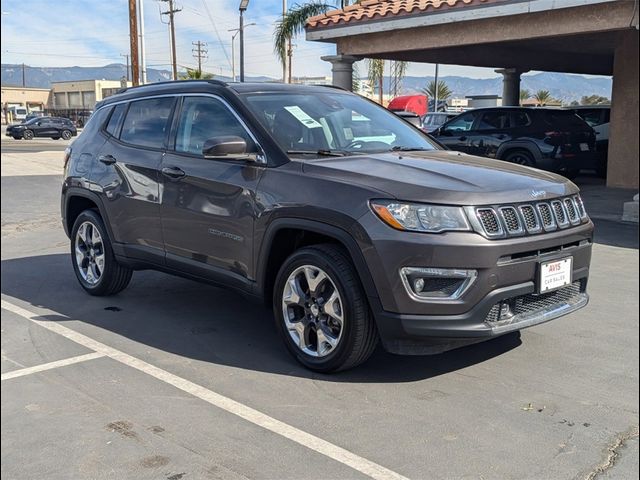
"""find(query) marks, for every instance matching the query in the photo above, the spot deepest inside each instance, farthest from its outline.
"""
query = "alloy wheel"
(90, 253)
(313, 311)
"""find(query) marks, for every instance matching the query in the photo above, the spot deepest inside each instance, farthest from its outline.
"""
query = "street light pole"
(233, 47)
(244, 4)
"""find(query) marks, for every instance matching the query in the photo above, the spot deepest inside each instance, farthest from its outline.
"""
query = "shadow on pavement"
(206, 323)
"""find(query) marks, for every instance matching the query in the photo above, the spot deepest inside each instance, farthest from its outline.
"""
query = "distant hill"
(42, 77)
(562, 86)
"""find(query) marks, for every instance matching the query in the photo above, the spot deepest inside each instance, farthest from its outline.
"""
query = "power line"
(171, 13)
(199, 53)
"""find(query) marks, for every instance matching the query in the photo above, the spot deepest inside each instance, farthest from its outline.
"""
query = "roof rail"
(168, 82)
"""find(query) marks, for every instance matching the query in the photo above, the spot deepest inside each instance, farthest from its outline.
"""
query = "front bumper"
(506, 269)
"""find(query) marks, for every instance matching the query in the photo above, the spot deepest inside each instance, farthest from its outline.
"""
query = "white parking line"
(249, 414)
(50, 366)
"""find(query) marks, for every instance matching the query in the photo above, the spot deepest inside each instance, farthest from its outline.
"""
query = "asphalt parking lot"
(173, 379)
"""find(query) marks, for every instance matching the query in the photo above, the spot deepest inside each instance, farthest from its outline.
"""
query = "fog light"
(436, 284)
(505, 311)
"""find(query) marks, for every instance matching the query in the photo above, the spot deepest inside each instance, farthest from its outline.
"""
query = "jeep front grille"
(500, 221)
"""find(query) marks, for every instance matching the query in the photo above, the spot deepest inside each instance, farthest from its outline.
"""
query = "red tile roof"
(377, 9)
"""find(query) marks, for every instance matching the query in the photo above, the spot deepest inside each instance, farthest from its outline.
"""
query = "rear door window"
(147, 122)
(520, 119)
(494, 120)
(564, 119)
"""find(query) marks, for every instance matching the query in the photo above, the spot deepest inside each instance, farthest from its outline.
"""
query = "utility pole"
(24, 78)
(143, 60)
(171, 12)
(133, 38)
(199, 53)
(285, 60)
(435, 94)
(128, 71)
(244, 4)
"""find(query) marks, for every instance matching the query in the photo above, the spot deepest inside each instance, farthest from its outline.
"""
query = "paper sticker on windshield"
(348, 133)
(302, 117)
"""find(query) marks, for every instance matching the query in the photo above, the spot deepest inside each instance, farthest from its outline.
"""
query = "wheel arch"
(76, 200)
(514, 145)
(285, 235)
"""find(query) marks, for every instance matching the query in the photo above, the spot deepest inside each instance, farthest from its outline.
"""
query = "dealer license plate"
(555, 274)
(584, 147)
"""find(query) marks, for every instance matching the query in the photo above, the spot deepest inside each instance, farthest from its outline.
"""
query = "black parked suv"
(53, 127)
(348, 221)
(550, 139)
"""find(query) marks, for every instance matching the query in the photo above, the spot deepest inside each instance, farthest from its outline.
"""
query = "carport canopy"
(597, 37)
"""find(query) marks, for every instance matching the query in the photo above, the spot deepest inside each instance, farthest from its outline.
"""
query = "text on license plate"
(584, 147)
(555, 274)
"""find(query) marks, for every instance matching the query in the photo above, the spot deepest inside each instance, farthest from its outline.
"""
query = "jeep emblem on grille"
(537, 193)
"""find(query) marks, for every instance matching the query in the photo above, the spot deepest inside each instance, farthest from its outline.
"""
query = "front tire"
(94, 262)
(66, 134)
(321, 310)
(28, 135)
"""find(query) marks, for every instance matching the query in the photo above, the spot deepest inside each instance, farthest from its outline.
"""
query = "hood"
(442, 176)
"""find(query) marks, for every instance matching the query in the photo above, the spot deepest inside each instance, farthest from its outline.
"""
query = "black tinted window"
(494, 120)
(564, 119)
(146, 122)
(203, 118)
(520, 119)
(114, 120)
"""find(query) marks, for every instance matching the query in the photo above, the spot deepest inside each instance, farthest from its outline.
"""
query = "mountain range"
(565, 87)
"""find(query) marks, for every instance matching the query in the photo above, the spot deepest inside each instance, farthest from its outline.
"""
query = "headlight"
(420, 217)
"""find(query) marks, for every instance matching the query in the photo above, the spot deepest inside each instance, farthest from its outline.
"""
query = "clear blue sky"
(94, 33)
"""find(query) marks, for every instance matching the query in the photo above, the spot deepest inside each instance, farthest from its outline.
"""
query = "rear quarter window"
(115, 119)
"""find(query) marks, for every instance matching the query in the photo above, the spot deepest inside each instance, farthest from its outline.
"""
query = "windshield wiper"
(400, 148)
(321, 152)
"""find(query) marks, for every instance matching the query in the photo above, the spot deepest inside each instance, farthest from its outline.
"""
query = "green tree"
(543, 97)
(293, 24)
(524, 95)
(195, 74)
(375, 75)
(594, 100)
(443, 90)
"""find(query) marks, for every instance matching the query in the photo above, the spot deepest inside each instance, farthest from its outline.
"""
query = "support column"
(510, 86)
(622, 169)
(342, 70)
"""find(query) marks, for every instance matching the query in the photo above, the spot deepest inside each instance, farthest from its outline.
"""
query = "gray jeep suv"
(349, 222)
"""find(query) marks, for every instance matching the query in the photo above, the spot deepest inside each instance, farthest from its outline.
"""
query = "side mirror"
(39, 124)
(228, 147)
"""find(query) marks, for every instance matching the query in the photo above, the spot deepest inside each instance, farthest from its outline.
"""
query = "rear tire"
(520, 157)
(328, 325)
(94, 262)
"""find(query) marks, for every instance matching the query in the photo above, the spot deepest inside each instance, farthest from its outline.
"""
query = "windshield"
(32, 120)
(433, 119)
(326, 122)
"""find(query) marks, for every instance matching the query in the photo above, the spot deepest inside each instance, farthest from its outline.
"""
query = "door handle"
(500, 137)
(462, 139)
(107, 159)
(173, 172)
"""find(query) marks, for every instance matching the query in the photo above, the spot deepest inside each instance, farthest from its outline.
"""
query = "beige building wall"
(623, 133)
(82, 94)
(25, 96)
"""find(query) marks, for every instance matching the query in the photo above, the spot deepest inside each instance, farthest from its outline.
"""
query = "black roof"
(203, 86)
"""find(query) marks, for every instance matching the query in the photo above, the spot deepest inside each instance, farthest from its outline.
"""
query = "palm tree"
(443, 90)
(375, 75)
(195, 74)
(542, 97)
(293, 23)
(524, 95)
